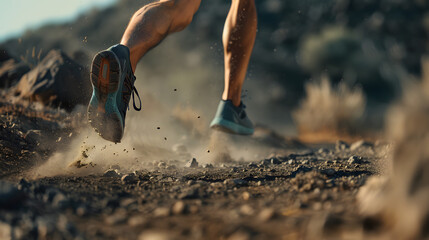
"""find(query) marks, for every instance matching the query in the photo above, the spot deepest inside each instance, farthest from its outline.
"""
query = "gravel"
(239, 199)
(341, 146)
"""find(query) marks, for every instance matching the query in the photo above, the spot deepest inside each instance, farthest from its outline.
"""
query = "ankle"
(236, 101)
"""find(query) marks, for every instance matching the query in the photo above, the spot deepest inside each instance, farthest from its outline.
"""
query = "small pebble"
(266, 214)
(162, 212)
(192, 163)
(111, 173)
(354, 160)
(179, 208)
(129, 178)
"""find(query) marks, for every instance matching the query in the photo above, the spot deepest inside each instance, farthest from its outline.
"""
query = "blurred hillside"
(371, 44)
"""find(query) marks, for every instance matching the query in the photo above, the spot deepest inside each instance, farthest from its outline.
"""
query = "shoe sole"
(223, 125)
(103, 112)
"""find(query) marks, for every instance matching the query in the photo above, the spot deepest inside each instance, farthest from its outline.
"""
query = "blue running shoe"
(112, 80)
(232, 119)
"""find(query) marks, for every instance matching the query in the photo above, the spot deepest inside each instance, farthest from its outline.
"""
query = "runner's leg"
(153, 22)
(238, 40)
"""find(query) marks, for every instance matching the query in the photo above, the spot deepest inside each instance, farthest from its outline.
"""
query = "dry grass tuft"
(330, 111)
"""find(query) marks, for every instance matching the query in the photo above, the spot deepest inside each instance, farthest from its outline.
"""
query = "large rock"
(11, 72)
(4, 55)
(56, 81)
(10, 69)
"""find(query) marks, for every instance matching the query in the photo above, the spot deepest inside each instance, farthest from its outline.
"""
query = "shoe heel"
(105, 72)
(103, 114)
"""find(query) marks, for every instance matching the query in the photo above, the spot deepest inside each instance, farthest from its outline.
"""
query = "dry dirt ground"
(304, 193)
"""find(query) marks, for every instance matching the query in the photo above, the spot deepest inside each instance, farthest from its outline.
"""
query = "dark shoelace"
(129, 91)
(242, 113)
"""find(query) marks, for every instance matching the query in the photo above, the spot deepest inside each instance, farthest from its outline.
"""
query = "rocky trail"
(303, 193)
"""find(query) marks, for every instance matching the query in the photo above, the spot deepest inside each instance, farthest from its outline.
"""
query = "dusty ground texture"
(304, 193)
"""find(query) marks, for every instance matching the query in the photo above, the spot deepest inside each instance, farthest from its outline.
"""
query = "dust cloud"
(157, 134)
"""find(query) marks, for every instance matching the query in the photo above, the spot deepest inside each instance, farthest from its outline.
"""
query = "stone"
(127, 202)
(81, 211)
(111, 173)
(179, 208)
(341, 146)
(192, 163)
(240, 235)
(65, 226)
(329, 172)
(129, 178)
(117, 218)
(246, 196)
(191, 182)
(247, 209)
(306, 187)
(355, 160)
(208, 165)
(136, 221)
(57, 81)
(216, 185)
(60, 201)
(5, 231)
(11, 72)
(360, 144)
(266, 162)
(302, 169)
(191, 193)
(162, 164)
(162, 212)
(252, 165)
(49, 195)
(23, 184)
(235, 182)
(266, 214)
(155, 235)
(323, 151)
(275, 161)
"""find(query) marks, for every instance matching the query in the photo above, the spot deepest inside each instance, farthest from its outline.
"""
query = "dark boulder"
(11, 72)
(57, 80)
(4, 55)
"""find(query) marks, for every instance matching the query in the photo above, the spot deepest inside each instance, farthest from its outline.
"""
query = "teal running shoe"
(112, 80)
(232, 119)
